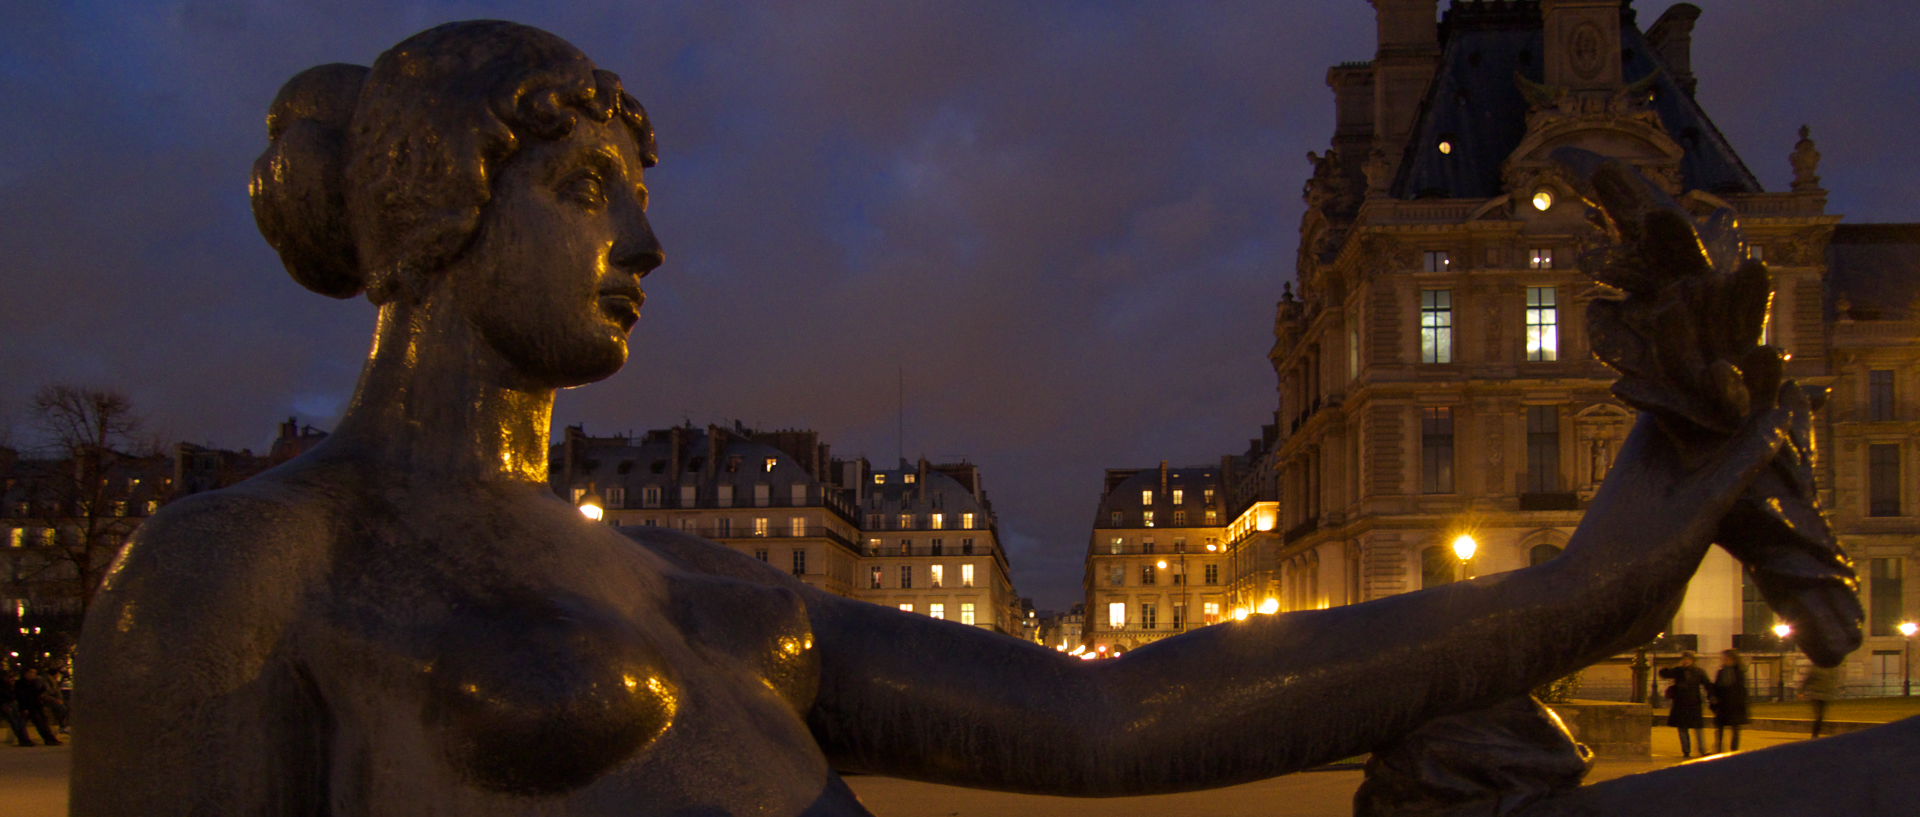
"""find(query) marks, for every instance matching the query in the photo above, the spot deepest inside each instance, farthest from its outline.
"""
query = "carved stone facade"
(1434, 371)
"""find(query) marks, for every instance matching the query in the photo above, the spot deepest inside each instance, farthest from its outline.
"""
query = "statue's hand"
(1684, 334)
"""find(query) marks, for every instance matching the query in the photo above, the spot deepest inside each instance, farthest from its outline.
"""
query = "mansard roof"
(1875, 270)
(1475, 103)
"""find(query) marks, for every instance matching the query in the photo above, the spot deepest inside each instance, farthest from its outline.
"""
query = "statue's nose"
(637, 250)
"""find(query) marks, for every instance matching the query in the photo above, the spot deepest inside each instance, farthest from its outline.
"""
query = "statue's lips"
(622, 305)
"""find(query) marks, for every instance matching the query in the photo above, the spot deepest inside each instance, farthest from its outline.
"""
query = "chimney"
(1671, 38)
(675, 459)
(1404, 62)
(1163, 477)
(1582, 43)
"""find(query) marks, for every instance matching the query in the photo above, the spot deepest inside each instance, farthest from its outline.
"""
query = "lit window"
(873, 546)
(1207, 496)
(906, 607)
(1210, 612)
(1146, 497)
(153, 505)
(1178, 496)
(19, 538)
(873, 577)
(1542, 199)
(907, 478)
(759, 526)
(797, 525)
(771, 462)
(1543, 319)
(936, 575)
(937, 610)
(966, 612)
(579, 494)
(1436, 261)
(906, 521)
(1117, 614)
(966, 575)
(1540, 258)
(906, 577)
(906, 547)
(1212, 516)
(879, 479)
(1436, 326)
(966, 521)
(119, 507)
(1146, 518)
(937, 520)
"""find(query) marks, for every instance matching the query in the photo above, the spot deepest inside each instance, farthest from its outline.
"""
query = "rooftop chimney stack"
(1404, 63)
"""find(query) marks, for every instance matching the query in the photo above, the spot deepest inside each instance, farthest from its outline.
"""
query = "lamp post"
(1907, 629)
(1464, 547)
(591, 506)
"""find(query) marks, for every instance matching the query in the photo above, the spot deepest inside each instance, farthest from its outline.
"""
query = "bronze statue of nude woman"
(407, 621)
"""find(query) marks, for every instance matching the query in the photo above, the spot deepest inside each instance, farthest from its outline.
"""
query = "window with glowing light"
(1436, 326)
(937, 610)
(966, 575)
(1117, 614)
(1146, 497)
(936, 576)
(966, 521)
(1146, 518)
(18, 537)
(1212, 516)
(873, 577)
(879, 479)
(1210, 612)
(770, 463)
(906, 607)
(906, 521)
(797, 526)
(760, 525)
(966, 612)
(1540, 258)
(937, 521)
(1178, 496)
(1543, 324)
(908, 478)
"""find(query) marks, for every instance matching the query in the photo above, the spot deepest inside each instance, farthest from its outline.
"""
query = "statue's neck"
(436, 401)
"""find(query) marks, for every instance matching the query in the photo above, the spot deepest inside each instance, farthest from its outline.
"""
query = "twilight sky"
(1066, 223)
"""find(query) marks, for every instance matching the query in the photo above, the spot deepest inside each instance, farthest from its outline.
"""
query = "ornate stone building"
(1434, 371)
(919, 537)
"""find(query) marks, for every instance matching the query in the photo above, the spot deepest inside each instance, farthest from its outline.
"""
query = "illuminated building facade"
(1434, 371)
(920, 537)
(1156, 564)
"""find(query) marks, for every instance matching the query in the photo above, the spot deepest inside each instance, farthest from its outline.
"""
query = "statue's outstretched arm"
(905, 695)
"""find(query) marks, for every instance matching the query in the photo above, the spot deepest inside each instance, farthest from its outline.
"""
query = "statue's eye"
(585, 189)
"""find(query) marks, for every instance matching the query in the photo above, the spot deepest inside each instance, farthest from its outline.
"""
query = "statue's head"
(488, 157)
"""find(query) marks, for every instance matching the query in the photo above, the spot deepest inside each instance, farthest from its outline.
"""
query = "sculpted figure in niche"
(406, 621)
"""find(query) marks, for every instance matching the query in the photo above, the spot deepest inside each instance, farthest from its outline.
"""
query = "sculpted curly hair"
(376, 178)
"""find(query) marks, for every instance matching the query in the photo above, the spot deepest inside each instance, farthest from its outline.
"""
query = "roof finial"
(1806, 163)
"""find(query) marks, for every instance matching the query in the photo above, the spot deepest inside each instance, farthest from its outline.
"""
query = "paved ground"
(33, 783)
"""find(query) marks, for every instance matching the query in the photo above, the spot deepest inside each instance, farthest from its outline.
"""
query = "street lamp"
(1464, 547)
(1907, 629)
(591, 506)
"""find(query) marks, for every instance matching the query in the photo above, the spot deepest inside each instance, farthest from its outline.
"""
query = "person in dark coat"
(11, 712)
(30, 693)
(1729, 700)
(1686, 696)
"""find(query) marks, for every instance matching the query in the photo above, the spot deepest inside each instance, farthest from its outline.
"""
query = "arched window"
(1436, 566)
(1541, 554)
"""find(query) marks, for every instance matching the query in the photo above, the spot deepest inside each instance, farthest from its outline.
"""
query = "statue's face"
(552, 280)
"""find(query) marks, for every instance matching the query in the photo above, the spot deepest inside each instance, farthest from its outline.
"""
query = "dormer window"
(771, 462)
(1146, 497)
(907, 478)
(879, 479)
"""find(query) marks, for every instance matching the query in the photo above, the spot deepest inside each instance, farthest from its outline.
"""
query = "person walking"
(1728, 698)
(1685, 694)
(30, 693)
(11, 712)
(1821, 685)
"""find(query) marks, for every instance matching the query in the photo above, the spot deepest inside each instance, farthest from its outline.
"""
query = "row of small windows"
(935, 547)
(1118, 545)
(1177, 495)
(936, 576)
(909, 521)
(119, 507)
(1542, 325)
(1149, 519)
(1442, 261)
(938, 609)
(1149, 615)
(1150, 574)
(723, 495)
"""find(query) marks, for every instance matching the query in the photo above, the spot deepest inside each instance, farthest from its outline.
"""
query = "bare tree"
(97, 484)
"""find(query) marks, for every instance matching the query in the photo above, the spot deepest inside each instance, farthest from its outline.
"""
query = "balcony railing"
(772, 532)
(927, 550)
(1550, 501)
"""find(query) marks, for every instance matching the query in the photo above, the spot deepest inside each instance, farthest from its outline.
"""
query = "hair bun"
(299, 183)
